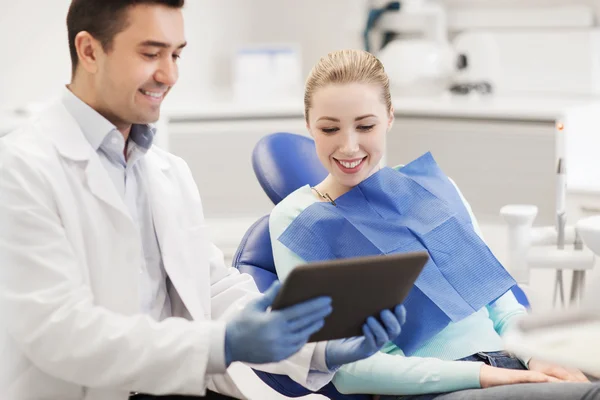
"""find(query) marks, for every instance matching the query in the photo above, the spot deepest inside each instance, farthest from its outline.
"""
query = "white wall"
(318, 26)
(36, 59)
(216, 29)
(213, 30)
(35, 55)
(518, 3)
(33, 39)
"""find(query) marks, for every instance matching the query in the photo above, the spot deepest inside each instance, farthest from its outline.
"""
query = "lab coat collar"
(70, 142)
(62, 129)
(160, 162)
(95, 127)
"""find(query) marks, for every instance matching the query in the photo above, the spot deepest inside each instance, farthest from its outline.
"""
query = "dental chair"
(283, 162)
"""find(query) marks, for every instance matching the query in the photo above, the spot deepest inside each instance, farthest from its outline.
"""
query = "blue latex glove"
(259, 336)
(344, 351)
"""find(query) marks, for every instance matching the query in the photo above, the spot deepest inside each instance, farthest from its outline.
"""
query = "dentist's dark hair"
(103, 19)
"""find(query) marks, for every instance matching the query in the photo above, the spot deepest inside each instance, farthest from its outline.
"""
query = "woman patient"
(451, 346)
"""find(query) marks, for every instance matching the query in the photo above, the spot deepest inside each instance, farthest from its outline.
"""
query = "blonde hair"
(347, 66)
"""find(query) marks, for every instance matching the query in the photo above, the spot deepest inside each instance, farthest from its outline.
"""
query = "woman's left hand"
(564, 374)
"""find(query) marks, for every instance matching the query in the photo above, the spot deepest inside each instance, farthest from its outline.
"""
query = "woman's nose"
(350, 146)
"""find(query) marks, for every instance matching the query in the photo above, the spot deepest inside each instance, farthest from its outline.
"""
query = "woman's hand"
(563, 374)
(493, 376)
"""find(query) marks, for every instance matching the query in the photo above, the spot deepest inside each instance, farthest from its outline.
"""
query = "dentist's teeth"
(152, 94)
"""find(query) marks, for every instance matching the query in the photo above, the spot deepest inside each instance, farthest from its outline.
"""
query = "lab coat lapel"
(173, 236)
(72, 145)
(102, 187)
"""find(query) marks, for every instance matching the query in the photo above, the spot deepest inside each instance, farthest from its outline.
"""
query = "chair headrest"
(283, 162)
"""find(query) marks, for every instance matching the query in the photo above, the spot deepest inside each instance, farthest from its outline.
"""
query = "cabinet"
(494, 162)
(219, 154)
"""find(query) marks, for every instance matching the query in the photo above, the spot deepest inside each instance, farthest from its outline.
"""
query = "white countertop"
(492, 107)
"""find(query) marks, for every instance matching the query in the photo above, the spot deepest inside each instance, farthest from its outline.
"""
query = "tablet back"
(359, 287)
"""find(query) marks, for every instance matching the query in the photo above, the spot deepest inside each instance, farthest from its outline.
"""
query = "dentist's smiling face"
(349, 123)
(141, 68)
(130, 78)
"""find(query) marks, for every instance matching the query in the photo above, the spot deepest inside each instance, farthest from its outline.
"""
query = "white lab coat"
(69, 275)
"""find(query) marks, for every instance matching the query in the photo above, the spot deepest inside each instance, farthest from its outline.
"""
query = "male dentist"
(109, 287)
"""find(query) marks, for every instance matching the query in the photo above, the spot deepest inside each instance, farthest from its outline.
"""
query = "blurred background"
(482, 84)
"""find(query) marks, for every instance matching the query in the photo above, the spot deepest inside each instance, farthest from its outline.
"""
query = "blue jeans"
(500, 359)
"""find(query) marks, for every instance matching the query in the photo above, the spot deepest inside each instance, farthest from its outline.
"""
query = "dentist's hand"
(259, 336)
(344, 351)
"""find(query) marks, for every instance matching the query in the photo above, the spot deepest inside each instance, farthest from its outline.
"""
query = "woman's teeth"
(350, 165)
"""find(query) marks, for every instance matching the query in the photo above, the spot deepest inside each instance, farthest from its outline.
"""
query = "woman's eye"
(151, 56)
(365, 128)
(329, 130)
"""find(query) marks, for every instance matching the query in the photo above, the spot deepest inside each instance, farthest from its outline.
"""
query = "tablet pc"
(359, 287)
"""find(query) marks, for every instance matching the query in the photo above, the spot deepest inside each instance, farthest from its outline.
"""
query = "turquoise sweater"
(432, 368)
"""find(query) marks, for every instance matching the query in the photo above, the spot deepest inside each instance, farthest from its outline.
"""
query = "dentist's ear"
(88, 51)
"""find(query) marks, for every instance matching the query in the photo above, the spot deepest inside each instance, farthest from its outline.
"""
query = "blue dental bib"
(414, 208)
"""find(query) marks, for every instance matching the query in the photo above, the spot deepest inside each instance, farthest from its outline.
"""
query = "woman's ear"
(309, 130)
(391, 119)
